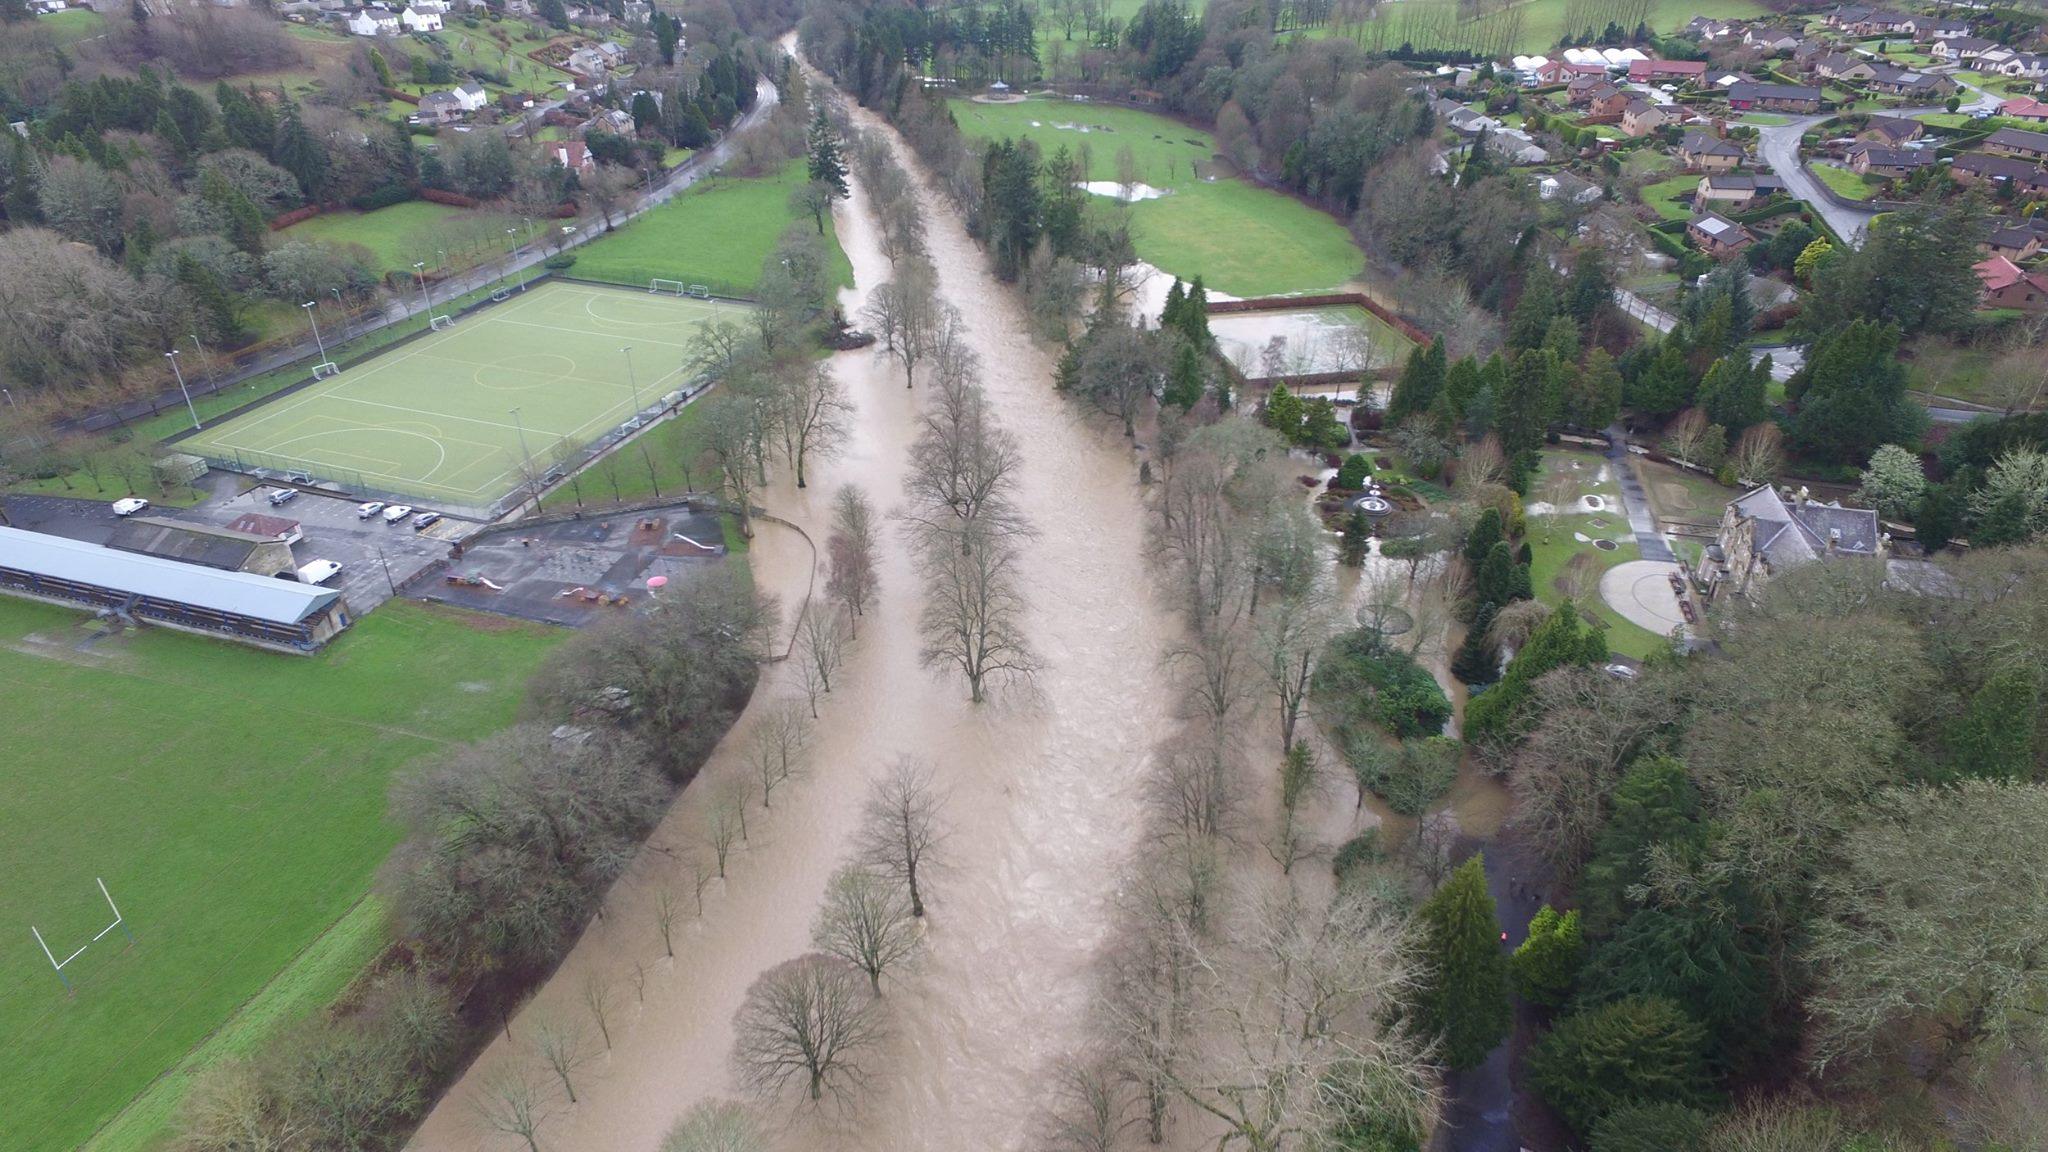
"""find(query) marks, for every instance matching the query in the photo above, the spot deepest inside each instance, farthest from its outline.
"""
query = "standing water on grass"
(1041, 789)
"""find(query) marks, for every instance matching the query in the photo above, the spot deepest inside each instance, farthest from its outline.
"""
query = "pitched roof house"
(1774, 97)
(1764, 533)
(1709, 152)
(2017, 142)
(1718, 236)
(1867, 159)
(2003, 284)
(1640, 118)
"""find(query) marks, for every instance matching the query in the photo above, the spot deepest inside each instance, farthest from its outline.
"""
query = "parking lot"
(365, 549)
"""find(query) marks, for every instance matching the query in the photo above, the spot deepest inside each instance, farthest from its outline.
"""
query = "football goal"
(326, 368)
(673, 287)
(441, 322)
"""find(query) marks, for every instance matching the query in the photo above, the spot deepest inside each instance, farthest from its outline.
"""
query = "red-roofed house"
(2005, 285)
(2025, 108)
(572, 154)
(1644, 71)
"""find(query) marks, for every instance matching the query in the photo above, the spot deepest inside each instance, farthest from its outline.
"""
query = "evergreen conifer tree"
(1464, 993)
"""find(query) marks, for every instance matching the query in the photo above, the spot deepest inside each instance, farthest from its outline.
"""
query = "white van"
(130, 506)
(319, 572)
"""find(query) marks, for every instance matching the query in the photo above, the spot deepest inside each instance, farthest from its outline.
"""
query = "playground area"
(466, 413)
(578, 571)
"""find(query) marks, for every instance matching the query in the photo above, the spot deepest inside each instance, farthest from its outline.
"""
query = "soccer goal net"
(326, 368)
(440, 322)
(673, 287)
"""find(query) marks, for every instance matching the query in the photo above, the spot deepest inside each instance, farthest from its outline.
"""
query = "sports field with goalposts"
(454, 415)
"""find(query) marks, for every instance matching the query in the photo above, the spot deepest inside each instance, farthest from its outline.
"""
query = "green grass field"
(416, 230)
(234, 803)
(1662, 196)
(1241, 239)
(1554, 540)
(717, 233)
(1542, 22)
(435, 418)
(1844, 182)
(72, 25)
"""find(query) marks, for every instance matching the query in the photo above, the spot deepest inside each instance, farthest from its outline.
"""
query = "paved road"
(1779, 147)
(405, 304)
(1636, 502)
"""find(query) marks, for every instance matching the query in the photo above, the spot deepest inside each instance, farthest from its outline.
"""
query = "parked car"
(368, 509)
(278, 496)
(319, 572)
(397, 512)
(425, 520)
(130, 506)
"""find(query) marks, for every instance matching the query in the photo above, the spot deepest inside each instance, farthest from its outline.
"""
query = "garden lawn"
(1242, 239)
(717, 233)
(234, 801)
(416, 230)
(1843, 181)
(1553, 542)
(72, 24)
(1662, 196)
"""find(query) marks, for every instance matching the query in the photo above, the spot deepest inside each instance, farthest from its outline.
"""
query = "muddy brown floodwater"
(1042, 789)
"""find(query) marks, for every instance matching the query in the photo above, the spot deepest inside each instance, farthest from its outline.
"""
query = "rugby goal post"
(674, 287)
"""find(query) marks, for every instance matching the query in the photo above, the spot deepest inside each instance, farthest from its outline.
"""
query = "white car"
(319, 572)
(396, 513)
(367, 510)
(130, 506)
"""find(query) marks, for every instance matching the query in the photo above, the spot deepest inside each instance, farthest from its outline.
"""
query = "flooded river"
(1041, 797)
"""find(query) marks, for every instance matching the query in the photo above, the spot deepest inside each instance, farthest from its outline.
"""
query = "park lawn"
(416, 230)
(716, 233)
(1843, 181)
(1242, 239)
(1551, 552)
(1682, 494)
(1663, 196)
(234, 801)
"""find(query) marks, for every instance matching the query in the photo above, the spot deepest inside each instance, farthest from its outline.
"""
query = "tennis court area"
(455, 415)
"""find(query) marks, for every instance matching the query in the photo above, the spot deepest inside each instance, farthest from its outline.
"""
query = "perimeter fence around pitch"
(336, 479)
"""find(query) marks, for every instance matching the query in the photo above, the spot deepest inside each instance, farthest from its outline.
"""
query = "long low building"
(263, 610)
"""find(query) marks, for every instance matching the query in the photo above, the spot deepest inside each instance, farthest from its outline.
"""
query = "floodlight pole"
(172, 356)
(9, 395)
(633, 380)
(318, 344)
(527, 276)
(419, 268)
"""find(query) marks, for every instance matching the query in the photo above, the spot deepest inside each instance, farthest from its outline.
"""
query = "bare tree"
(607, 190)
(811, 412)
(229, 1109)
(1195, 792)
(1216, 675)
(597, 997)
(665, 919)
(728, 432)
(1302, 778)
(1693, 441)
(907, 315)
(963, 471)
(851, 552)
(716, 1126)
(779, 746)
(561, 1045)
(900, 827)
(807, 1021)
(510, 1102)
(1291, 634)
(1759, 454)
(722, 824)
(973, 615)
(866, 921)
(821, 644)
(1090, 1110)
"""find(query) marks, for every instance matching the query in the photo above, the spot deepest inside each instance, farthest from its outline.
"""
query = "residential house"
(439, 108)
(571, 154)
(440, 6)
(2015, 239)
(588, 61)
(2003, 284)
(2025, 108)
(420, 20)
(1579, 89)
(1842, 66)
(1705, 28)
(1516, 147)
(1708, 152)
(1737, 191)
(1989, 60)
(1892, 130)
(1973, 167)
(1610, 101)
(1718, 236)
(1806, 50)
(1774, 98)
(1640, 118)
(1564, 72)
(1563, 187)
(2017, 142)
(471, 95)
(1867, 159)
(1669, 71)
(1774, 41)
(371, 22)
(1863, 22)
(1904, 82)
(1944, 28)
(1764, 534)
(1960, 49)
(2023, 66)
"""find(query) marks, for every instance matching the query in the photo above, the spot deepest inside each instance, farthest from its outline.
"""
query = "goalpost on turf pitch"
(676, 287)
(120, 922)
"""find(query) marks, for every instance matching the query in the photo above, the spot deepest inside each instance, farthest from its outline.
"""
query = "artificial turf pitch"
(454, 415)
